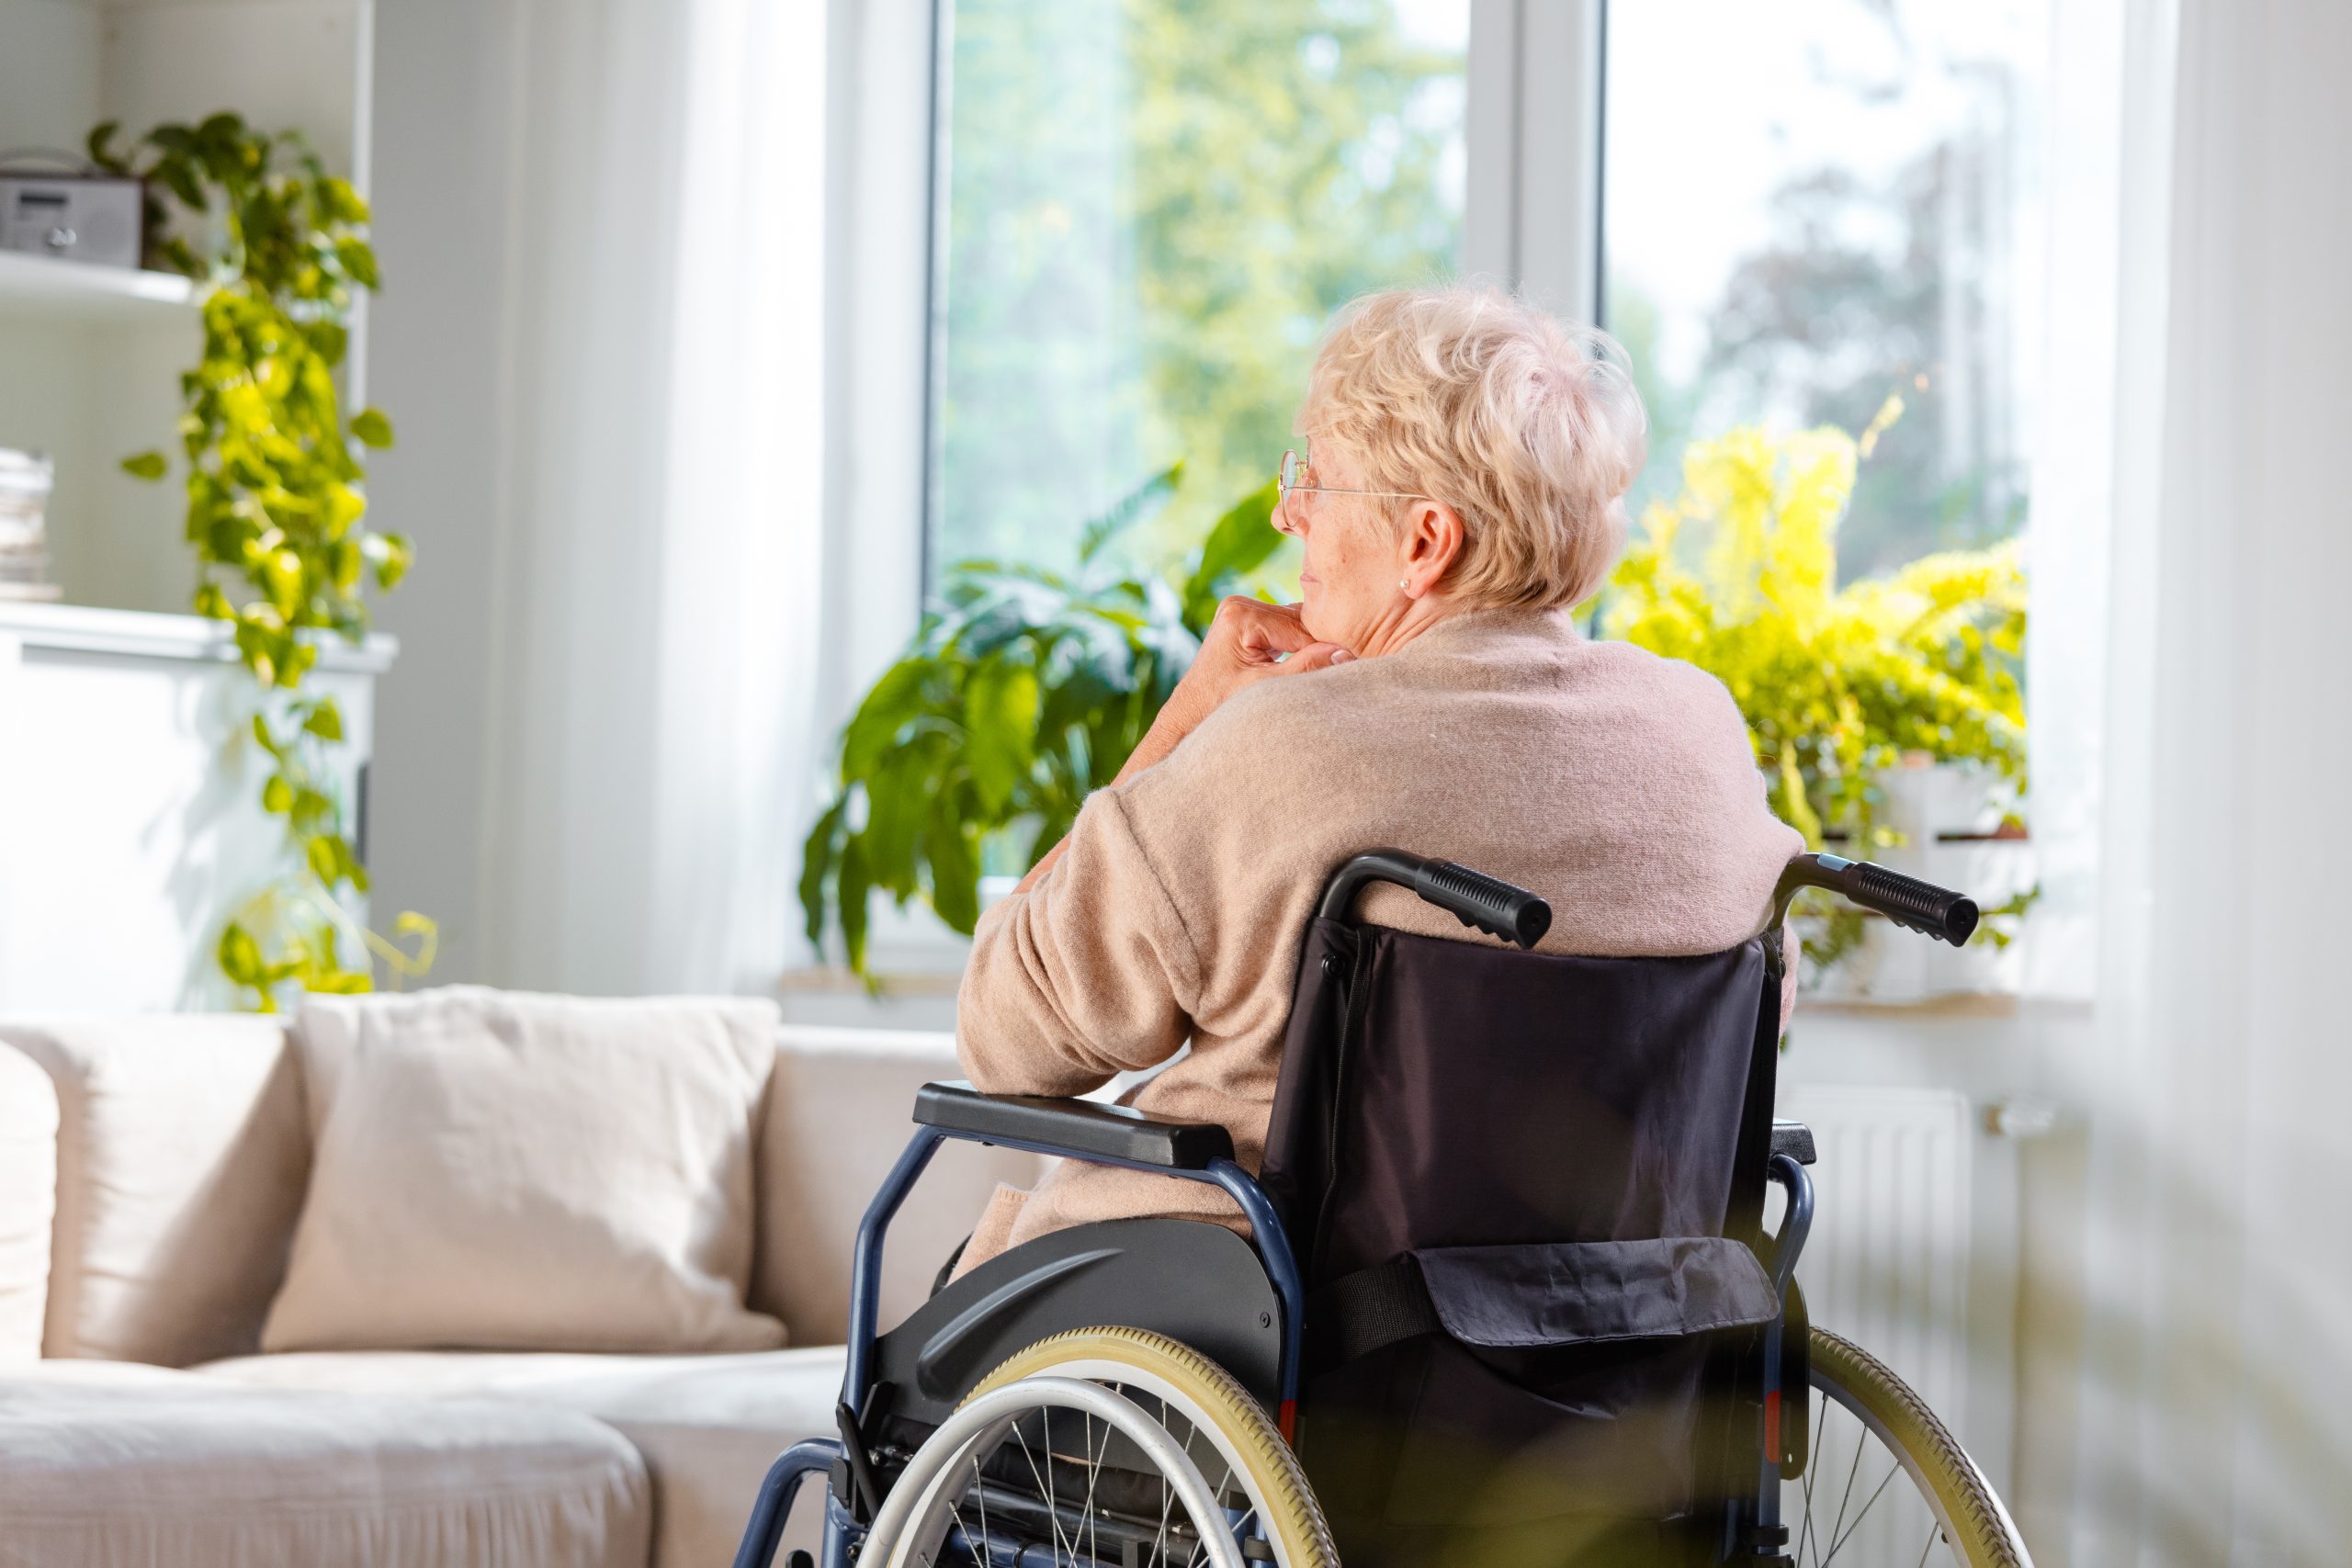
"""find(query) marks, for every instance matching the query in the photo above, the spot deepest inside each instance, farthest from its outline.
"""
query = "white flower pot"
(1946, 814)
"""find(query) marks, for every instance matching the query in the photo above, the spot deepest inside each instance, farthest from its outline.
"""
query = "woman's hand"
(1249, 640)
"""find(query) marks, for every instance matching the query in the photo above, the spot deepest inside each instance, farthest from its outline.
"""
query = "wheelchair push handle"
(1472, 898)
(1917, 906)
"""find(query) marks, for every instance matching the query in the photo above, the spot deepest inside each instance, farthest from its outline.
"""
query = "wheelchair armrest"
(1080, 1128)
(1793, 1139)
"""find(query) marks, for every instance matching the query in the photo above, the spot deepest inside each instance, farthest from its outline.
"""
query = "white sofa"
(151, 1169)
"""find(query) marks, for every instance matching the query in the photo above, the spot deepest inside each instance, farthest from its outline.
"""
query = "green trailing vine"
(277, 508)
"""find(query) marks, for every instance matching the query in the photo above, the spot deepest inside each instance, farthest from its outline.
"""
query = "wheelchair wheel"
(1869, 1429)
(1172, 1464)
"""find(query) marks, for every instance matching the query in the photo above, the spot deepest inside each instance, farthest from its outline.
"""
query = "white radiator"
(1887, 1267)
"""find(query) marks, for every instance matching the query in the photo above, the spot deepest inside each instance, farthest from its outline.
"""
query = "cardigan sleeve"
(1088, 974)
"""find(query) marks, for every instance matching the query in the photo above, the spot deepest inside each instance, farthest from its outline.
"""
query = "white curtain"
(655, 584)
(2210, 1411)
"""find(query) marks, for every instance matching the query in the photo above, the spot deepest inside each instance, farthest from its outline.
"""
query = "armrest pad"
(1080, 1128)
(1793, 1139)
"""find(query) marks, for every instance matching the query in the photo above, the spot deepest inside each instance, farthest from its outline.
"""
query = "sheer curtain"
(2209, 1416)
(654, 584)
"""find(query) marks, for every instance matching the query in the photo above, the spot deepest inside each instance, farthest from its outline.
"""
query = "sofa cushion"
(839, 1111)
(180, 1160)
(107, 1464)
(499, 1170)
(27, 1202)
(708, 1427)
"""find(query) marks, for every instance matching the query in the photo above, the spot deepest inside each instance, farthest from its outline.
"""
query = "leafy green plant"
(1838, 684)
(1024, 691)
(276, 514)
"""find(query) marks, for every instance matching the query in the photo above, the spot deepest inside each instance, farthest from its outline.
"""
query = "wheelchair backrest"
(1438, 1094)
(1510, 1178)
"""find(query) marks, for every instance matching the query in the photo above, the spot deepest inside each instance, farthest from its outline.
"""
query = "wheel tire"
(1292, 1518)
(1974, 1520)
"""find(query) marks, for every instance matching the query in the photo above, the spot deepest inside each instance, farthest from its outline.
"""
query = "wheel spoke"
(956, 1514)
(1053, 1508)
(1805, 1535)
(1930, 1545)
(1044, 1481)
(1093, 1474)
(1893, 1471)
(1851, 1470)
(1160, 1542)
(980, 1493)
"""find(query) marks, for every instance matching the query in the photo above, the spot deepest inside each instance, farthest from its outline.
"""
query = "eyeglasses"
(1295, 474)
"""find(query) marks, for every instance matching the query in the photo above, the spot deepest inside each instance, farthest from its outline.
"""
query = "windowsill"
(1959, 1004)
(915, 983)
(830, 980)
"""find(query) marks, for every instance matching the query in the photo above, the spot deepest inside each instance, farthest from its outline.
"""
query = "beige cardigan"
(1618, 784)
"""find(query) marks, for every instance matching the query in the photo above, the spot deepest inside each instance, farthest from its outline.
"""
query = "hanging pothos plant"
(276, 510)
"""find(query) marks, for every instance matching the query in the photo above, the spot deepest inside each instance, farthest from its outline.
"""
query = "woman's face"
(1348, 584)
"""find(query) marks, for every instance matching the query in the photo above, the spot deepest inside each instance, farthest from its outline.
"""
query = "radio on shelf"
(87, 218)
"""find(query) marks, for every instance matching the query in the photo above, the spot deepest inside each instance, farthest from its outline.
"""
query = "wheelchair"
(1508, 1295)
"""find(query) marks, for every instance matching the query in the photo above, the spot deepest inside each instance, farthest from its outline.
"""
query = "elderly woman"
(1467, 458)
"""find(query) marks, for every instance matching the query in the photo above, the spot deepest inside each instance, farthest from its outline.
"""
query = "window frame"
(1531, 220)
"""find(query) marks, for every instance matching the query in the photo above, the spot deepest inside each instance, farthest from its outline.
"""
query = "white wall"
(49, 73)
(444, 221)
(602, 232)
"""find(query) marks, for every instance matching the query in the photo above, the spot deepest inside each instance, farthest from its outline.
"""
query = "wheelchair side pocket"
(1565, 1378)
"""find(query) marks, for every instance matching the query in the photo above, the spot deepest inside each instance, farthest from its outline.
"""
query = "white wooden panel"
(130, 822)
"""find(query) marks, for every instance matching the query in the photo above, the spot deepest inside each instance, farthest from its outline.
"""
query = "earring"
(1400, 586)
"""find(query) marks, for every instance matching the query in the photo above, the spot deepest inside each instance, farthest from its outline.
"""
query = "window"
(1833, 202)
(1148, 209)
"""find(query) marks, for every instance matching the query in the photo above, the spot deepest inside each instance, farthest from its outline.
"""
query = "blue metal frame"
(1795, 1225)
(1267, 1234)
(792, 1467)
(774, 1503)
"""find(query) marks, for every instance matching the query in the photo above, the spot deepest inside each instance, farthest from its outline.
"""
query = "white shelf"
(139, 634)
(42, 287)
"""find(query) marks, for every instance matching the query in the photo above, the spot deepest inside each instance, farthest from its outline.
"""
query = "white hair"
(1528, 427)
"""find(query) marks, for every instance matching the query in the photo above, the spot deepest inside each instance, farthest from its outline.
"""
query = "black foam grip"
(1486, 902)
(1907, 901)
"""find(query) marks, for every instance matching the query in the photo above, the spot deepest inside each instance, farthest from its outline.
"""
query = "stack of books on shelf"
(24, 542)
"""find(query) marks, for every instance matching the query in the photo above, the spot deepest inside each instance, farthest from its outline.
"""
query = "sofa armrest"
(28, 1200)
(839, 1109)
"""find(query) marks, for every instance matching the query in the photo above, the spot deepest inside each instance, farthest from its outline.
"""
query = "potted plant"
(1888, 713)
(1024, 691)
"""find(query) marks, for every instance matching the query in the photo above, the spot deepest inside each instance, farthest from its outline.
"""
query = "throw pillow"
(494, 1170)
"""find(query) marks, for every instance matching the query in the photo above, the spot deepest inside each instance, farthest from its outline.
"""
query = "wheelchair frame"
(1122, 1136)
